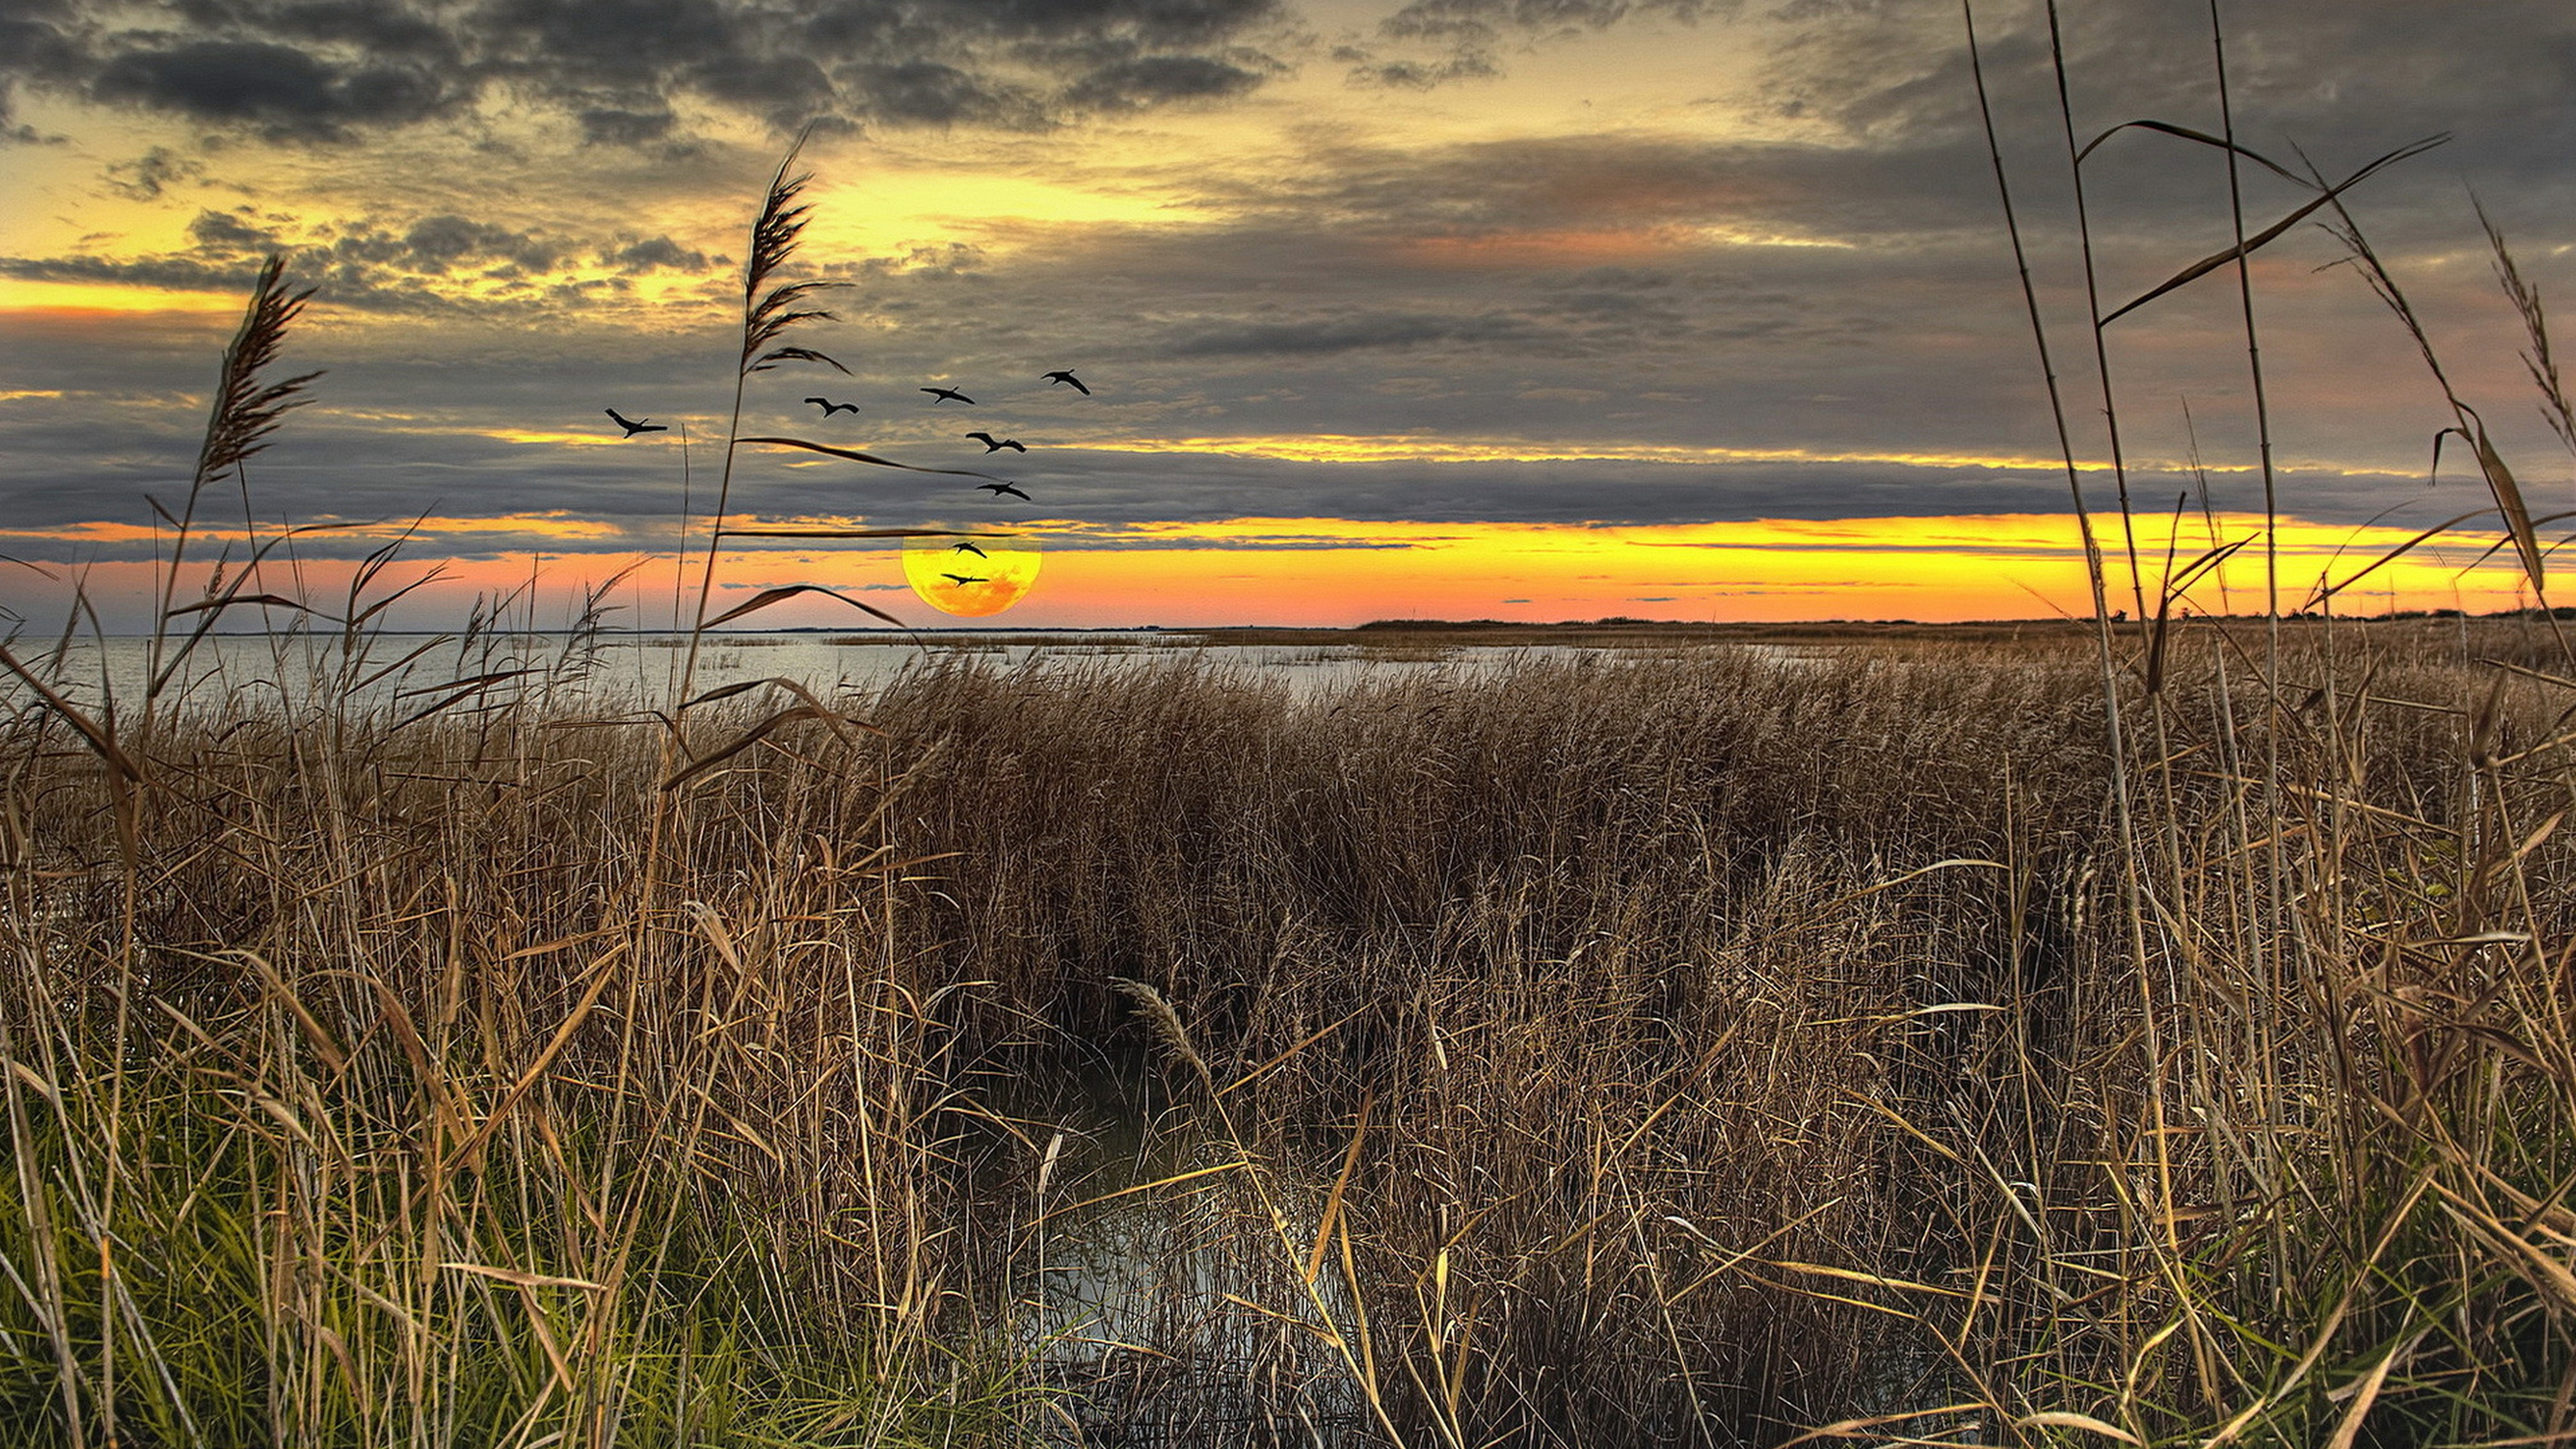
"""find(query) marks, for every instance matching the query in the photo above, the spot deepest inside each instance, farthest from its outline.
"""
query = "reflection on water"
(1141, 1267)
(401, 673)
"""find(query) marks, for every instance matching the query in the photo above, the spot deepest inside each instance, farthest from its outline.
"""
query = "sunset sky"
(1537, 309)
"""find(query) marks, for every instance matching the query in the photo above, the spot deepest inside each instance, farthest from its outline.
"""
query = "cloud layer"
(626, 71)
(1787, 296)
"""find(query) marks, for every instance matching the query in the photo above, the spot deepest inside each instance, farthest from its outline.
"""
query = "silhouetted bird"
(1067, 376)
(830, 407)
(940, 395)
(970, 548)
(633, 427)
(998, 489)
(992, 443)
(961, 580)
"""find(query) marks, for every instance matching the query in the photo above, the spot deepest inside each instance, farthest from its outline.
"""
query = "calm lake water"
(405, 671)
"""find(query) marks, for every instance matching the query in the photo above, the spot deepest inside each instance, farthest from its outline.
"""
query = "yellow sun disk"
(1002, 578)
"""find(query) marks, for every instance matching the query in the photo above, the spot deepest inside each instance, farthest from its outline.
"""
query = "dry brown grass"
(1751, 1044)
(1742, 1045)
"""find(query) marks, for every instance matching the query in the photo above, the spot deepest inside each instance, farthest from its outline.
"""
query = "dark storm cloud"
(1150, 80)
(1498, 284)
(33, 46)
(1417, 75)
(279, 90)
(443, 242)
(2345, 82)
(223, 232)
(655, 254)
(1485, 19)
(1466, 34)
(175, 273)
(36, 38)
(1346, 334)
(624, 71)
(146, 176)
(609, 126)
(445, 264)
(924, 92)
(378, 28)
(1899, 194)
(2382, 67)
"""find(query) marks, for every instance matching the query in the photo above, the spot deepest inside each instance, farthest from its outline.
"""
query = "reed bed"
(1584, 1053)
(353, 1101)
(1705, 1052)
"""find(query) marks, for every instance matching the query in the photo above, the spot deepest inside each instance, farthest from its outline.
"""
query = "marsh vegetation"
(1591, 1053)
(2149, 1033)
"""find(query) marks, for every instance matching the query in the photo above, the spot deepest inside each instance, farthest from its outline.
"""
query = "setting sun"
(973, 578)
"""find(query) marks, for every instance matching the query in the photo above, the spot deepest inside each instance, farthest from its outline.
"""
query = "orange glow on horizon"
(1933, 569)
(81, 301)
(1306, 571)
(610, 436)
(426, 531)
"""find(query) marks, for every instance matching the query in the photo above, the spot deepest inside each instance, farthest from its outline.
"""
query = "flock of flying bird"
(938, 395)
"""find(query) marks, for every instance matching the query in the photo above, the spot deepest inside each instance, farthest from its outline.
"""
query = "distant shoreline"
(1504, 632)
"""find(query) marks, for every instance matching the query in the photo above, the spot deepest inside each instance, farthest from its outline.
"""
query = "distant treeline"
(1615, 621)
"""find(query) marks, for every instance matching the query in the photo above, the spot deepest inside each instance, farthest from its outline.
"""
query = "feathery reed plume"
(1166, 1026)
(246, 411)
(2539, 361)
(768, 312)
(2467, 424)
(765, 317)
(774, 237)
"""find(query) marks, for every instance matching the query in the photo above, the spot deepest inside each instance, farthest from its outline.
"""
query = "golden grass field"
(1710, 1047)
(2152, 1032)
